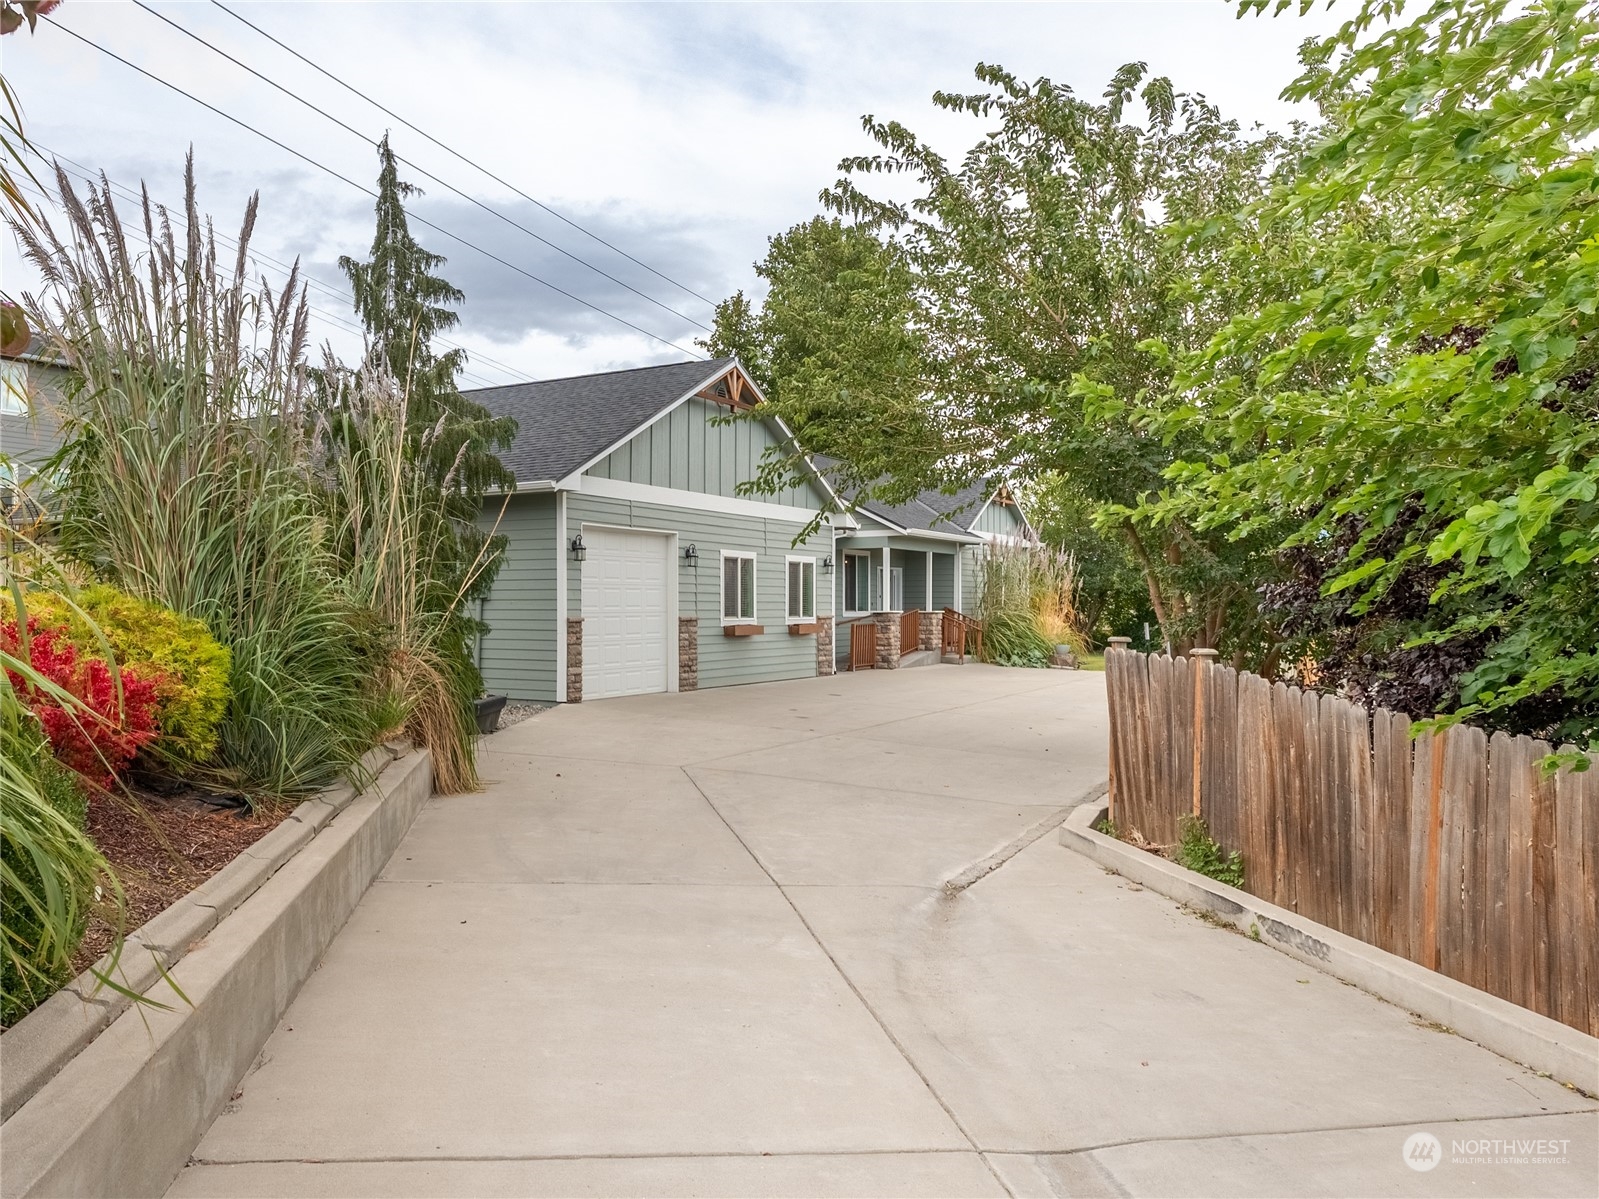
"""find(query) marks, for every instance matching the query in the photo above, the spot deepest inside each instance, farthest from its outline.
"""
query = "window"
(801, 590)
(738, 587)
(13, 389)
(858, 582)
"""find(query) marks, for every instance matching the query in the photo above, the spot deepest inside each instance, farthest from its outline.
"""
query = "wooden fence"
(1453, 850)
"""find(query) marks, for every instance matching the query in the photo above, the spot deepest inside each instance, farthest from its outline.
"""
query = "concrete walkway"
(702, 945)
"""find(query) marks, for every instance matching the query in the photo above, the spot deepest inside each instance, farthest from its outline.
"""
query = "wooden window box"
(801, 630)
(742, 630)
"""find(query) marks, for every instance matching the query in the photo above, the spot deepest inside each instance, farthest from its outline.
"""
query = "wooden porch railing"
(962, 634)
(910, 631)
(863, 644)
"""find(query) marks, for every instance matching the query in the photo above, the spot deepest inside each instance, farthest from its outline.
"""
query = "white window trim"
(848, 598)
(14, 390)
(810, 561)
(755, 587)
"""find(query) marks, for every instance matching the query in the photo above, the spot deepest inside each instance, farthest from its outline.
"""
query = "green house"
(633, 564)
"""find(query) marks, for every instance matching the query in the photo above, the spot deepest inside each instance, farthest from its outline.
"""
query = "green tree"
(1112, 598)
(1046, 301)
(1427, 405)
(404, 305)
(835, 346)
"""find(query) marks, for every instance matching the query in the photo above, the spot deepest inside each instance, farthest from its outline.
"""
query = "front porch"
(899, 599)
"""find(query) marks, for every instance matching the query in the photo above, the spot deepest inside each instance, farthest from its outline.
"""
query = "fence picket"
(1453, 849)
(1568, 926)
(1502, 764)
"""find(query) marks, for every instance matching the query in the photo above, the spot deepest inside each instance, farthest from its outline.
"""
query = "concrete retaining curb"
(121, 1116)
(1514, 1032)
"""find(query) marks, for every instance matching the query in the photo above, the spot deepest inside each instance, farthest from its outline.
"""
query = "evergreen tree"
(404, 305)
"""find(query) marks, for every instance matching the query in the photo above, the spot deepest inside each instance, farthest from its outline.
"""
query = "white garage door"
(624, 613)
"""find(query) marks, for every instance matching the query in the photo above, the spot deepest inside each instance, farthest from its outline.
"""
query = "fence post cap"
(1202, 653)
(1121, 640)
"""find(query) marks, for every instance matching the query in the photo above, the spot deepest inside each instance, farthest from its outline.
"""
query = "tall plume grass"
(1028, 603)
(186, 470)
(392, 534)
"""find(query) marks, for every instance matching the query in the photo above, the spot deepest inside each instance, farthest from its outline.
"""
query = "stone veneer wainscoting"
(688, 653)
(887, 640)
(574, 659)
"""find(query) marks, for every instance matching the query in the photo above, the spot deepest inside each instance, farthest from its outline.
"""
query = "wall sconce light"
(691, 555)
(578, 548)
(827, 565)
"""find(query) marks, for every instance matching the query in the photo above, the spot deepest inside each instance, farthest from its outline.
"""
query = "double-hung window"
(738, 587)
(801, 590)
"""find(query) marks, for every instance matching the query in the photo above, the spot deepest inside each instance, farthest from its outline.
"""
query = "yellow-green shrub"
(192, 694)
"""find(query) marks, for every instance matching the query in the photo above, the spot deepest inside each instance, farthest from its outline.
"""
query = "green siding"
(517, 655)
(914, 564)
(31, 437)
(774, 654)
(971, 577)
(1000, 518)
(943, 581)
(688, 450)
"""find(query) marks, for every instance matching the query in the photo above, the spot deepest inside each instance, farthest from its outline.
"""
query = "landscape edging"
(47, 1038)
(121, 1117)
(1536, 1041)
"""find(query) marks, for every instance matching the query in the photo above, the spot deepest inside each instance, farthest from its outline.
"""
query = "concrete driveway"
(703, 945)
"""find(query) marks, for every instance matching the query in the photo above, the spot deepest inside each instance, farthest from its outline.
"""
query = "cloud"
(686, 134)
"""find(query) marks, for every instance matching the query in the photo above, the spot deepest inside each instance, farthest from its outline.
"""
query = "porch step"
(921, 657)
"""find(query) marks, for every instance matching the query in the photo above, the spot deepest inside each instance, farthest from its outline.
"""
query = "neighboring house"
(633, 564)
(922, 556)
(30, 427)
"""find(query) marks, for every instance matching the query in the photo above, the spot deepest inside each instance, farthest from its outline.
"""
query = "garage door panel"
(624, 613)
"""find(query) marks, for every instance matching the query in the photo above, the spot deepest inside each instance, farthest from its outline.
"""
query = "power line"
(325, 316)
(306, 158)
(285, 269)
(189, 33)
(451, 150)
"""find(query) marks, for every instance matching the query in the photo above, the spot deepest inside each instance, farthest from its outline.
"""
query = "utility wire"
(306, 158)
(444, 183)
(451, 150)
(262, 260)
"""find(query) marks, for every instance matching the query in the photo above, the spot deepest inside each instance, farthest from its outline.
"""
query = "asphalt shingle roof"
(563, 423)
(933, 510)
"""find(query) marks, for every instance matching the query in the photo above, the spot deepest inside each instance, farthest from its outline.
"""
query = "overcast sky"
(683, 134)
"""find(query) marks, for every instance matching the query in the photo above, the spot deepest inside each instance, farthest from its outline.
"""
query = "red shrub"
(97, 743)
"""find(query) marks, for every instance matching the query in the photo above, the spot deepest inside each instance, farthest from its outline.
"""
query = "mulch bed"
(161, 847)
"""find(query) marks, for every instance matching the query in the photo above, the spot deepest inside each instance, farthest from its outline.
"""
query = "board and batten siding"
(723, 661)
(1000, 518)
(517, 655)
(690, 451)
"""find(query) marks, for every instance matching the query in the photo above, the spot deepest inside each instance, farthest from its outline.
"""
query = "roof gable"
(931, 511)
(563, 425)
